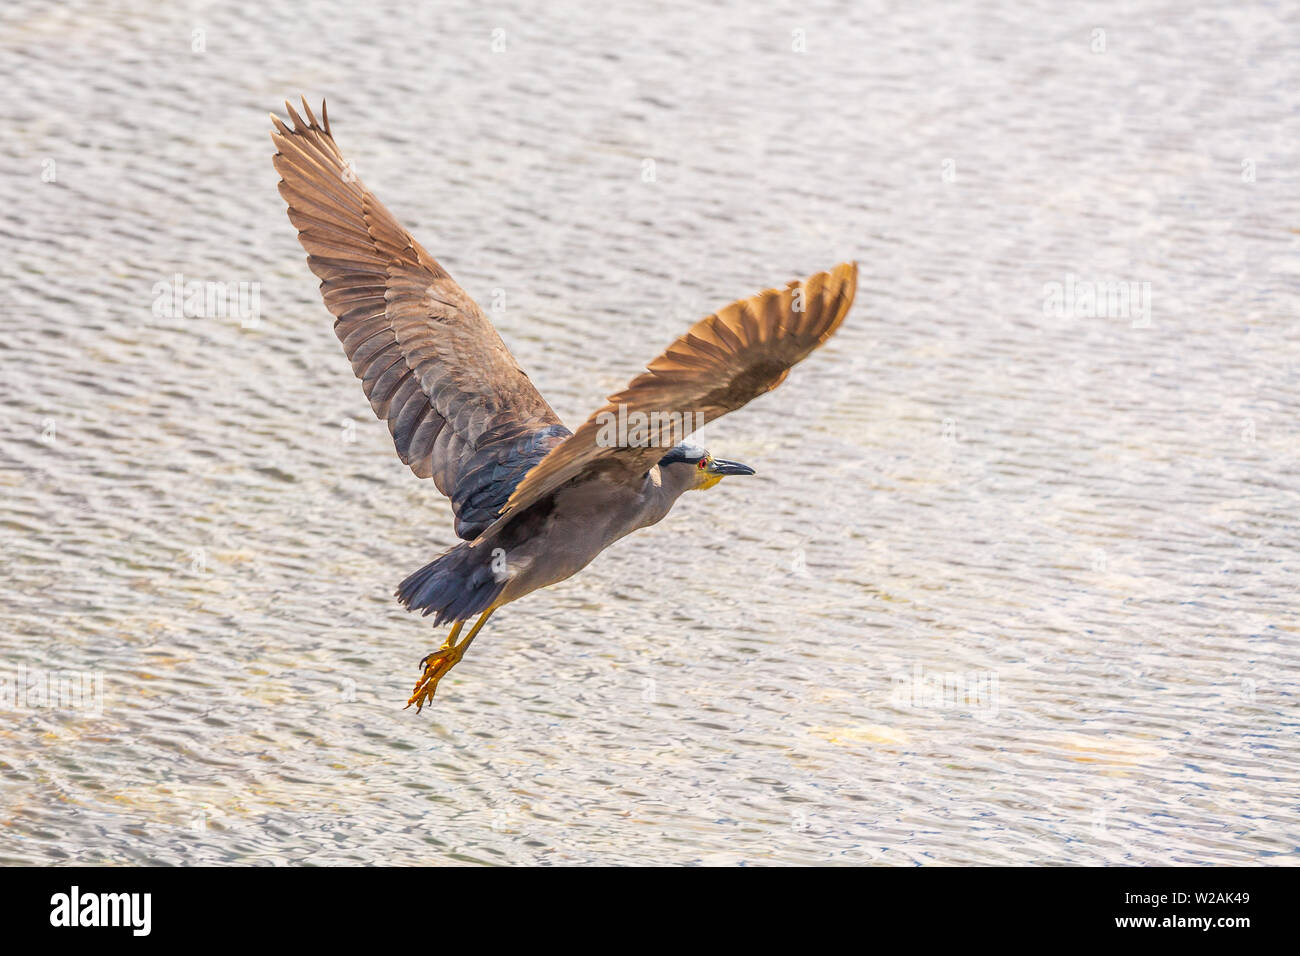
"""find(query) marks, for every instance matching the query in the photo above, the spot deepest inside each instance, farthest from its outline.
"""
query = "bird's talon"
(435, 665)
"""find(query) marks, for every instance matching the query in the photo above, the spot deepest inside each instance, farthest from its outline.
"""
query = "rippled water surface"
(1014, 584)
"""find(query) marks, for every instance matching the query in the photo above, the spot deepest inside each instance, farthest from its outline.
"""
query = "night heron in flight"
(534, 501)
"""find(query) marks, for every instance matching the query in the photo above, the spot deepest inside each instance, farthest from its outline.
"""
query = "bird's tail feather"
(457, 584)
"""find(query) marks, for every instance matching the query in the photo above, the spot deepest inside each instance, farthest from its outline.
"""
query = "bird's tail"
(457, 584)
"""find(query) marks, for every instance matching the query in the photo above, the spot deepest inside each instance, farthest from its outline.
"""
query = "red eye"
(704, 463)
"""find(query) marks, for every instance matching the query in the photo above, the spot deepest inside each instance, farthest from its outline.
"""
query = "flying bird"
(534, 502)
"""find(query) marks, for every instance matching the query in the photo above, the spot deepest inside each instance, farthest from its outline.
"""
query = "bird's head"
(695, 469)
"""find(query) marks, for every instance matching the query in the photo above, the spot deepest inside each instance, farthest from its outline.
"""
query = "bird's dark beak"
(720, 466)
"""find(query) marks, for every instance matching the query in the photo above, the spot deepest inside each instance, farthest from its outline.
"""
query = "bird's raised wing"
(459, 407)
(721, 363)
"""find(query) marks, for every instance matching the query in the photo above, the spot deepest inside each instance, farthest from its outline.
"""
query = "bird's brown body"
(534, 502)
(586, 517)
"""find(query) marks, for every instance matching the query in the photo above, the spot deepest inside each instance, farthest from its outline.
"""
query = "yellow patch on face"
(705, 479)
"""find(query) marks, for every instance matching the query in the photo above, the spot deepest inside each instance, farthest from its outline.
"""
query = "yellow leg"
(448, 644)
(437, 664)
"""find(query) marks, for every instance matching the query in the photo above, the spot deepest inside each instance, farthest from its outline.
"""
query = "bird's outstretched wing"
(459, 407)
(721, 363)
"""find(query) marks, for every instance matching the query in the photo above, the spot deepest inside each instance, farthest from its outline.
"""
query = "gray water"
(1015, 583)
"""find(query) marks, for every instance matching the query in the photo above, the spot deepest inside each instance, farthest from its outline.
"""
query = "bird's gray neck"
(662, 488)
